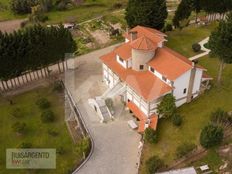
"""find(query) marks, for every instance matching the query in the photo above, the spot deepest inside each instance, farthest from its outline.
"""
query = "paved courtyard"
(116, 145)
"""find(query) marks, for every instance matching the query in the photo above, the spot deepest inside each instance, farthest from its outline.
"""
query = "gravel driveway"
(116, 145)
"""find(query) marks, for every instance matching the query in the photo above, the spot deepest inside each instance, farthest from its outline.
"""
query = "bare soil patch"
(101, 36)
(11, 25)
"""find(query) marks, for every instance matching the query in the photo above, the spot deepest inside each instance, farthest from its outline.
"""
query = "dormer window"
(164, 78)
(152, 69)
(141, 67)
(121, 60)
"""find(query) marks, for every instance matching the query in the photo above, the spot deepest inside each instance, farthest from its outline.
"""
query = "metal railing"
(82, 125)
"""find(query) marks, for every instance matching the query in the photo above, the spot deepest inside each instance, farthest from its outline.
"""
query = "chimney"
(194, 63)
(133, 35)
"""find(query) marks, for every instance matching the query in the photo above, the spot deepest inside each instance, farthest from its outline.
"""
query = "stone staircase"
(118, 89)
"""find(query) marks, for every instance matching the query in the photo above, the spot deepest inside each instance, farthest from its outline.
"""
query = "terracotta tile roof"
(153, 34)
(144, 43)
(169, 63)
(145, 83)
(154, 122)
(143, 118)
(124, 51)
(141, 127)
(137, 112)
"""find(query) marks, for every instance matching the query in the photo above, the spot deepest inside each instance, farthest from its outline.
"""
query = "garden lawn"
(196, 114)
(182, 40)
(36, 132)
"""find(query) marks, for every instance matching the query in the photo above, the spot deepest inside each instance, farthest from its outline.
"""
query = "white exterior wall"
(183, 82)
(157, 74)
(160, 44)
(197, 82)
(129, 63)
(109, 77)
(180, 84)
(138, 101)
(124, 63)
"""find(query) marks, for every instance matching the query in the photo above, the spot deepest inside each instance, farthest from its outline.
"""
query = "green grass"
(212, 159)
(196, 114)
(88, 10)
(36, 130)
(182, 40)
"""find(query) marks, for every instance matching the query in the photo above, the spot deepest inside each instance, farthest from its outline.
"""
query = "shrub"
(42, 18)
(23, 23)
(153, 164)
(184, 149)
(25, 145)
(167, 106)
(22, 6)
(220, 116)
(196, 47)
(150, 136)
(61, 6)
(47, 116)
(168, 27)
(19, 127)
(117, 5)
(43, 103)
(211, 135)
(83, 147)
(17, 112)
(176, 120)
(60, 150)
(58, 86)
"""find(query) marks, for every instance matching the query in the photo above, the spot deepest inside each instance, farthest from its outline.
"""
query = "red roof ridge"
(152, 30)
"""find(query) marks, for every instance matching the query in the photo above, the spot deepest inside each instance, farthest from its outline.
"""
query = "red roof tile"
(143, 118)
(145, 83)
(153, 34)
(143, 43)
(124, 51)
(154, 122)
(137, 112)
(170, 63)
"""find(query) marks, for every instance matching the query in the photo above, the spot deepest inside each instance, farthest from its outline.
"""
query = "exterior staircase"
(118, 89)
(99, 104)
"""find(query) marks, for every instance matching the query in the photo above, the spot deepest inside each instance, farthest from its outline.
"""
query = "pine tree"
(149, 13)
(33, 48)
(183, 12)
(220, 44)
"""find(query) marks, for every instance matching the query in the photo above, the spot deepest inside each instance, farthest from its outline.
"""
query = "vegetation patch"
(28, 131)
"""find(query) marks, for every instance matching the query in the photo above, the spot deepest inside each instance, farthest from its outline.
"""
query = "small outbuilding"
(189, 170)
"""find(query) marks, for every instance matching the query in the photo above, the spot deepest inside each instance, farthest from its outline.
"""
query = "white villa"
(142, 70)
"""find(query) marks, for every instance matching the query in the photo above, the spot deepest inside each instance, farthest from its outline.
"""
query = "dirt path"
(11, 25)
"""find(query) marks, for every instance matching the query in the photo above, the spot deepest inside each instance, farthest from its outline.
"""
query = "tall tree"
(183, 12)
(33, 48)
(149, 13)
(220, 43)
(196, 7)
(216, 6)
